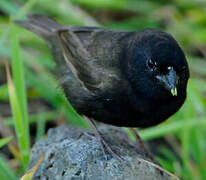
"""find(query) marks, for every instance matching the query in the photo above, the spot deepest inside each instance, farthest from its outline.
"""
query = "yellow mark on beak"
(174, 91)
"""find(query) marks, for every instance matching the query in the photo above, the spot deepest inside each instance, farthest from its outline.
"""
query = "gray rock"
(72, 154)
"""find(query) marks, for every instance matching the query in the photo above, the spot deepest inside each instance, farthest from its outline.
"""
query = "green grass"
(18, 99)
(5, 171)
(4, 141)
(32, 76)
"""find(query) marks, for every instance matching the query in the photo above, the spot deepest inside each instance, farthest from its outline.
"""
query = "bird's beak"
(169, 81)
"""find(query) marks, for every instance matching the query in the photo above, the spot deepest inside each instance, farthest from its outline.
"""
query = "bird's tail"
(41, 25)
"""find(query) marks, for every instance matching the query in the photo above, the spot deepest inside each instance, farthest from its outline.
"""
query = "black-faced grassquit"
(122, 78)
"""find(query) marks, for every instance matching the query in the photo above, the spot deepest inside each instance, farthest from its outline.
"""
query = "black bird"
(122, 78)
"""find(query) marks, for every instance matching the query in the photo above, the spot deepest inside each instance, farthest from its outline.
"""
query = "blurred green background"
(32, 101)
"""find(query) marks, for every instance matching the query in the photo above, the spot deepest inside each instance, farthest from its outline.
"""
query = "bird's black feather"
(105, 74)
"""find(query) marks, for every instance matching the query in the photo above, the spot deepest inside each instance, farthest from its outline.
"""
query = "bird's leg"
(104, 145)
(142, 145)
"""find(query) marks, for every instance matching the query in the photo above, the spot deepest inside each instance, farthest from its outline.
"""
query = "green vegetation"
(32, 79)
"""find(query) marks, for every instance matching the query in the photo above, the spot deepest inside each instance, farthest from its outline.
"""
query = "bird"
(122, 78)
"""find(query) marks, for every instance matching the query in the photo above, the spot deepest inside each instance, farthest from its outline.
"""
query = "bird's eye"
(151, 64)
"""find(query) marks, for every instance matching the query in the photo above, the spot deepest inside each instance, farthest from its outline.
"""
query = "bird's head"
(155, 65)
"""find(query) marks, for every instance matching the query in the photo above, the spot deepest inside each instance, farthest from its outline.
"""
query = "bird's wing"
(92, 55)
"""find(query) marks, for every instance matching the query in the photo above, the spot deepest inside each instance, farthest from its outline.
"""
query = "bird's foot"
(106, 148)
(140, 142)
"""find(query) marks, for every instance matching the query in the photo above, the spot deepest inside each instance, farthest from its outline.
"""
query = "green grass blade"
(19, 82)
(172, 127)
(5, 172)
(18, 102)
(18, 119)
(18, 72)
(33, 118)
(4, 141)
(41, 123)
(8, 7)
(3, 92)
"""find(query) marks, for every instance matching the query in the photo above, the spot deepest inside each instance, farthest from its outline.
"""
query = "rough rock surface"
(70, 153)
